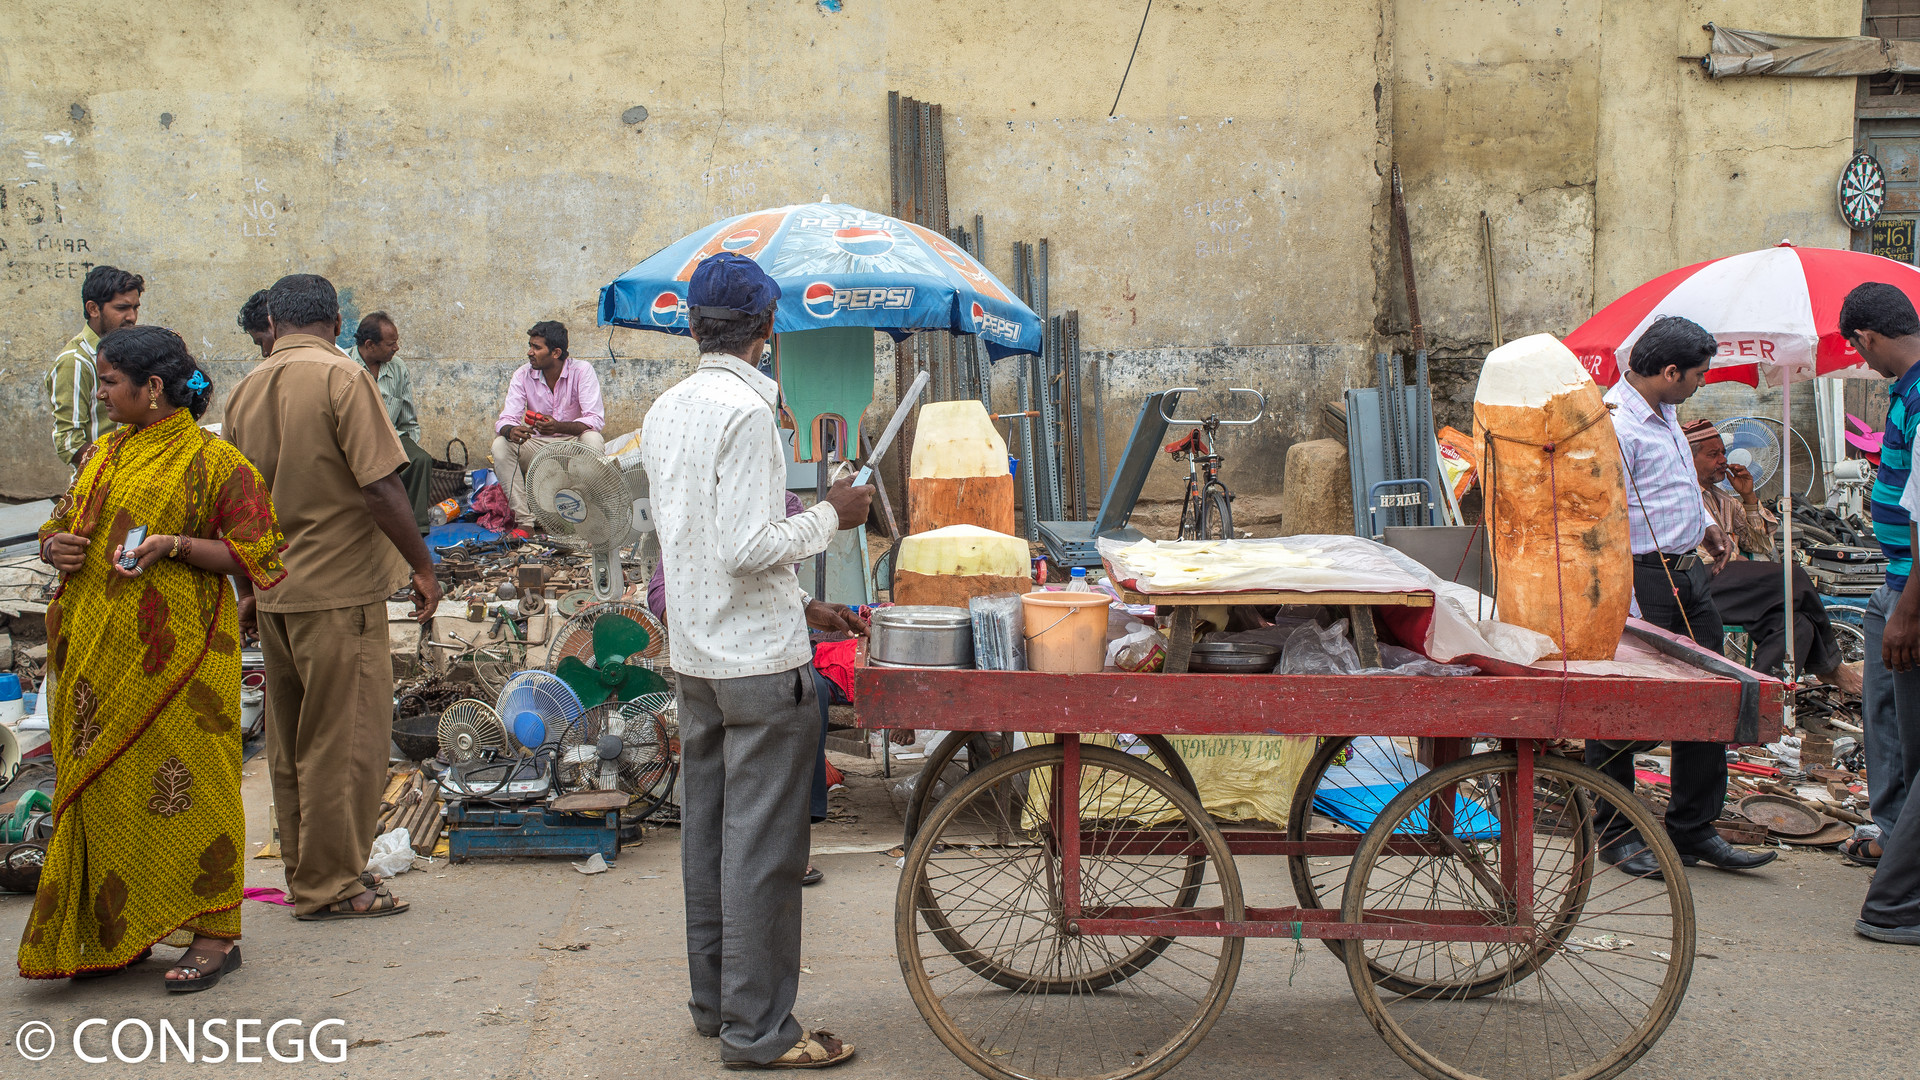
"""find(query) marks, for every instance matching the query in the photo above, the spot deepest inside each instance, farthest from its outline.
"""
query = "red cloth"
(490, 503)
(834, 659)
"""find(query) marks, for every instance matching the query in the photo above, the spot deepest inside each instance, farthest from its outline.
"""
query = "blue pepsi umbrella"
(837, 265)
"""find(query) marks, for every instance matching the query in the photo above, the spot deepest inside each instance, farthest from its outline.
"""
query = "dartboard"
(1863, 190)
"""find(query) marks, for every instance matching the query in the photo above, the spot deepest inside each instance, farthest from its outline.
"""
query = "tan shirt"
(313, 423)
(1750, 531)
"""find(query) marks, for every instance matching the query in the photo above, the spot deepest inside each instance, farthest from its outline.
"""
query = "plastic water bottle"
(1079, 582)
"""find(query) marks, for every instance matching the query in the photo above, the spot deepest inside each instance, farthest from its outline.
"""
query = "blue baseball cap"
(730, 286)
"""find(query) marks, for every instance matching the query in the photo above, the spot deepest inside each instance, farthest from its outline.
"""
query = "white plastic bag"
(392, 854)
(1134, 647)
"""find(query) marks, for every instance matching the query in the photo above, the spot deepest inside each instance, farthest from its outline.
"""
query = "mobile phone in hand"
(135, 537)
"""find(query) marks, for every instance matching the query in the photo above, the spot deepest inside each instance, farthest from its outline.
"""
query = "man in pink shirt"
(554, 398)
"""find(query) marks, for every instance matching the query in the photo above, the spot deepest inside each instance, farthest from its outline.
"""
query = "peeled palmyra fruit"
(949, 566)
(959, 474)
(1556, 497)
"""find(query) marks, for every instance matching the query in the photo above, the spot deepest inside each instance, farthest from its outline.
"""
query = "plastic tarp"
(1756, 52)
(1375, 771)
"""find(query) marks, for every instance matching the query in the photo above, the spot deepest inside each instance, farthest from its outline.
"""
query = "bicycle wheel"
(941, 774)
(1585, 994)
(1216, 513)
(982, 935)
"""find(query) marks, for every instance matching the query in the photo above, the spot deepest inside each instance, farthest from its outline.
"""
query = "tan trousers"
(510, 461)
(329, 726)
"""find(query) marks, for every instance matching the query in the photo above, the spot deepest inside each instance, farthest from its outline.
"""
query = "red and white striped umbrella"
(1777, 309)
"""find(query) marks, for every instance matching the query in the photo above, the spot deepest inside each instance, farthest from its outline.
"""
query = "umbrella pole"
(1786, 535)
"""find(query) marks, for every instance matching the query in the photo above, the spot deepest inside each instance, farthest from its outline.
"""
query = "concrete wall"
(466, 167)
(1600, 158)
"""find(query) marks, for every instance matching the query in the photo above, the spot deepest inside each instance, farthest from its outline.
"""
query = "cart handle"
(1173, 396)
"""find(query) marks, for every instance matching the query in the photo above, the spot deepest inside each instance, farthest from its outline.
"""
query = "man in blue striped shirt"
(1881, 324)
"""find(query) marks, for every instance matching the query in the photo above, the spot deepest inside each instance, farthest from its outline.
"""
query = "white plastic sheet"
(1461, 626)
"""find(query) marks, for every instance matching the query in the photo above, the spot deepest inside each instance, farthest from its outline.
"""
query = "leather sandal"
(208, 968)
(1855, 851)
(101, 973)
(383, 904)
(820, 1050)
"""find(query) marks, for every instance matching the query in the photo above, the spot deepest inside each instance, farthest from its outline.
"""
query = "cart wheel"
(1355, 784)
(980, 927)
(940, 769)
(1610, 957)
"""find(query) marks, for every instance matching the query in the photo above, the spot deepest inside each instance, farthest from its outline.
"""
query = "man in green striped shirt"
(111, 299)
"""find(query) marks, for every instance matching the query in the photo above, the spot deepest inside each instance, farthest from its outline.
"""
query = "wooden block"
(937, 502)
(953, 590)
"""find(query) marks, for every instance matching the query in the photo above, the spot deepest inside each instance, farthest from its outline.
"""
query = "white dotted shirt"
(717, 479)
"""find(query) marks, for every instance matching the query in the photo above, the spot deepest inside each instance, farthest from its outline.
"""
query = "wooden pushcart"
(1069, 908)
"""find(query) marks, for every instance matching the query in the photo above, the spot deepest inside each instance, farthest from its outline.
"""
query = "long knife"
(907, 401)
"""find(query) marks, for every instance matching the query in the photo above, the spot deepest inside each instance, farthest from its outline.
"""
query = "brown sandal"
(208, 968)
(383, 904)
(820, 1050)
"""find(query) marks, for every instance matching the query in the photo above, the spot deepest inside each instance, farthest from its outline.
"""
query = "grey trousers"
(747, 749)
(1893, 898)
(1890, 712)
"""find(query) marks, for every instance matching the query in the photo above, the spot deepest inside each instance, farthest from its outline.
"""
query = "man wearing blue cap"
(749, 717)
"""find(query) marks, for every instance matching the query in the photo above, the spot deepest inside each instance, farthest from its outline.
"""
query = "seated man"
(553, 398)
(376, 345)
(1748, 591)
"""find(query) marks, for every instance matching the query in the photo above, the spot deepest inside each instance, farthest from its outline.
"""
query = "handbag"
(449, 477)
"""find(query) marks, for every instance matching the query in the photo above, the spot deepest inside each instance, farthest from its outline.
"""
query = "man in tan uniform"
(313, 423)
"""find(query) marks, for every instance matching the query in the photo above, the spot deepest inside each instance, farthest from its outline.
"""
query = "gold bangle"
(175, 553)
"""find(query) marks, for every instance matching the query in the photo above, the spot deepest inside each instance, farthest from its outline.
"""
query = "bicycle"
(1206, 512)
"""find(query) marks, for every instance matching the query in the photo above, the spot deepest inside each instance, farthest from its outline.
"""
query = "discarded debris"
(1598, 943)
(595, 864)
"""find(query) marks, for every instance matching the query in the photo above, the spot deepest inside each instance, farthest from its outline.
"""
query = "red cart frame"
(1519, 712)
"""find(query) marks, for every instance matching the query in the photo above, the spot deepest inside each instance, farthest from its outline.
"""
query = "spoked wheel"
(1585, 994)
(981, 928)
(1216, 514)
(1352, 781)
(943, 770)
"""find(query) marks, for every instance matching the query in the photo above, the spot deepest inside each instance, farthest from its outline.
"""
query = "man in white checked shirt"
(1671, 585)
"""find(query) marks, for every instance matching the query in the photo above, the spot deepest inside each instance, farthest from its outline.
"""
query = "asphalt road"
(529, 969)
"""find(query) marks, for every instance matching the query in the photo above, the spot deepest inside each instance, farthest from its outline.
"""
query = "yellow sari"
(149, 832)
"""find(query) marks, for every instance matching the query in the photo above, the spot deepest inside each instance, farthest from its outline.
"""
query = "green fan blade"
(583, 680)
(618, 637)
(640, 681)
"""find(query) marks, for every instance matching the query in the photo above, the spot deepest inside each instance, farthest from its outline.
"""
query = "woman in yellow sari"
(145, 669)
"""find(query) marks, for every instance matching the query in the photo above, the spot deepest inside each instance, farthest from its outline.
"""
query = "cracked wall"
(468, 167)
(473, 168)
(1600, 159)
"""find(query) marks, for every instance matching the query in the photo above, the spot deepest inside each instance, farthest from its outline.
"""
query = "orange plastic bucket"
(1066, 631)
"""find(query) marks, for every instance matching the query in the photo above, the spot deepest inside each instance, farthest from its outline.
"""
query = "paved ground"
(476, 981)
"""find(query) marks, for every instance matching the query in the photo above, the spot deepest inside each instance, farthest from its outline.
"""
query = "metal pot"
(922, 636)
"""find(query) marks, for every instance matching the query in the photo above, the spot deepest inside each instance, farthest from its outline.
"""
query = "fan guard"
(543, 694)
(575, 636)
(470, 731)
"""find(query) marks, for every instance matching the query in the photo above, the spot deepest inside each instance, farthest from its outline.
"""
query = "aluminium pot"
(918, 635)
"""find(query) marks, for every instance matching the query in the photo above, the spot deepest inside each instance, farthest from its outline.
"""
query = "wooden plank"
(1211, 599)
(1515, 707)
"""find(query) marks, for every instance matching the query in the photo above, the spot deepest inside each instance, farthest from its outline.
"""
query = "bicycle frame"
(1203, 463)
